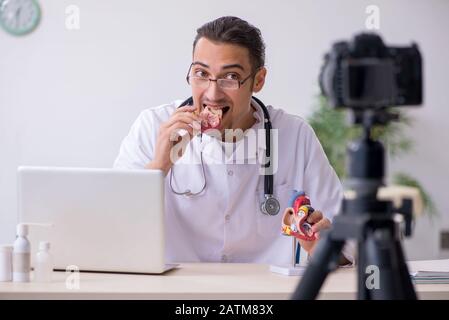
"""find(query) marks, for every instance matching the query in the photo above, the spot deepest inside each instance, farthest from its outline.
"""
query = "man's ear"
(259, 80)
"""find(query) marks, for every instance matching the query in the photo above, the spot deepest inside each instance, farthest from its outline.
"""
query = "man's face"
(225, 61)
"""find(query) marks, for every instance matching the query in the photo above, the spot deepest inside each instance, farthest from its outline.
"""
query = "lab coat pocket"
(271, 225)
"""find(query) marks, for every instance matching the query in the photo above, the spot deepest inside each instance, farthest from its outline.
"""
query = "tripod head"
(366, 156)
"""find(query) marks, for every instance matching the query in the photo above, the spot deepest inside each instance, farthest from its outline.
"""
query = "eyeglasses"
(225, 84)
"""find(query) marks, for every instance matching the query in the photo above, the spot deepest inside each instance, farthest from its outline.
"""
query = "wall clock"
(19, 17)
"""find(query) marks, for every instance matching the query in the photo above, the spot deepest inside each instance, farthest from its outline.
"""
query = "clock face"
(19, 17)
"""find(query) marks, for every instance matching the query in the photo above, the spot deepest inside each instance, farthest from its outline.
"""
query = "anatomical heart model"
(294, 224)
(294, 221)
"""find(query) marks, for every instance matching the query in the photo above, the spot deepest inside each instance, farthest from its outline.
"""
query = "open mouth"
(224, 109)
(211, 116)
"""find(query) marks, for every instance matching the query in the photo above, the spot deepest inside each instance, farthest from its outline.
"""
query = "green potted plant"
(334, 131)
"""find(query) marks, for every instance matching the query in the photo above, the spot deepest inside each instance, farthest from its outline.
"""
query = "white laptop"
(106, 220)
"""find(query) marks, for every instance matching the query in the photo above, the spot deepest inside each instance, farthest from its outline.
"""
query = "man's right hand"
(168, 136)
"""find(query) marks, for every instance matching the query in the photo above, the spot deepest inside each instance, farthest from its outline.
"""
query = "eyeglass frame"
(240, 82)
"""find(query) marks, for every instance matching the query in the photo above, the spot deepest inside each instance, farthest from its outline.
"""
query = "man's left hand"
(319, 223)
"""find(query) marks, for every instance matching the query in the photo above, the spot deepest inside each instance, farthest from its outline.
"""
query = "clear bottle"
(44, 263)
(5, 263)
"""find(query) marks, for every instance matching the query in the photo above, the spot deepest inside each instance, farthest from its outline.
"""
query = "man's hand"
(182, 118)
(318, 223)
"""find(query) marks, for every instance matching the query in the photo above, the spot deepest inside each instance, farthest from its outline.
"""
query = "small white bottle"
(44, 263)
(21, 256)
(5, 263)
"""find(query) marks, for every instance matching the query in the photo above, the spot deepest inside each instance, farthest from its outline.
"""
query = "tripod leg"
(324, 260)
(362, 290)
(384, 252)
(407, 285)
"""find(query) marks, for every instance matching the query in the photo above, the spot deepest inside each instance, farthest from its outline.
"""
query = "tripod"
(382, 270)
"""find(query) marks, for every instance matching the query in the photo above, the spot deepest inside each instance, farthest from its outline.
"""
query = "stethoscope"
(270, 206)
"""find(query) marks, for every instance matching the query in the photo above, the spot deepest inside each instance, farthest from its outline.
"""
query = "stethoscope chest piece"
(270, 206)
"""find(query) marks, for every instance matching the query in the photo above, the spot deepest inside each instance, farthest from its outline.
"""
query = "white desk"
(196, 281)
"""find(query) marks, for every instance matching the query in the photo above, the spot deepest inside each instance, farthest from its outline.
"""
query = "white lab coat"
(224, 223)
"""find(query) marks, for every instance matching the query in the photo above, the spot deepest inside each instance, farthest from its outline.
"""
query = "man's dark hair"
(236, 31)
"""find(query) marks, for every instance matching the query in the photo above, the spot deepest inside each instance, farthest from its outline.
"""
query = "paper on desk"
(430, 271)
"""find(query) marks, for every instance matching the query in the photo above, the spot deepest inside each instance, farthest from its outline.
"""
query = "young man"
(213, 189)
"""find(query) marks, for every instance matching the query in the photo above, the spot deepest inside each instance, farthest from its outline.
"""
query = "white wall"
(67, 98)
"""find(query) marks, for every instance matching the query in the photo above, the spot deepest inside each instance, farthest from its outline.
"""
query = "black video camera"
(365, 73)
